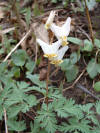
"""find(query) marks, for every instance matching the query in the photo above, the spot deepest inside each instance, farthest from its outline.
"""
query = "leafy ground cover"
(39, 97)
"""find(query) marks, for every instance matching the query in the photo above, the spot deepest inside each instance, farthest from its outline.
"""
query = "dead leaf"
(1, 13)
(40, 32)
(43, 70)
(43, 74)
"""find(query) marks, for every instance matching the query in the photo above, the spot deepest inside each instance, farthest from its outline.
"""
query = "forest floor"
(79, 28)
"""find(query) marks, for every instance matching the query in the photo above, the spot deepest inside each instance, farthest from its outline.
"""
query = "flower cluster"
(55, 51)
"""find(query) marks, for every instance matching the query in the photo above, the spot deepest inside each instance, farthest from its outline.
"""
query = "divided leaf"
(35, 79)
(16, 126)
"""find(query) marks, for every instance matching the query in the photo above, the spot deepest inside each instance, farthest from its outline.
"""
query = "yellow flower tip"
(47, 26)
(65, 38)
(64, 43)
(50, 55)
(56, 62)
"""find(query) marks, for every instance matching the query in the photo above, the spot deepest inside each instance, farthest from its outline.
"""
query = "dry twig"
(17, 46)
(75, 81)
(89, 22)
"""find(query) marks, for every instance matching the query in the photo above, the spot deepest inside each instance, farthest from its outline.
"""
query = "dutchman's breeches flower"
(60, 53)
(62, 32)
(50, 20)
(50, 50)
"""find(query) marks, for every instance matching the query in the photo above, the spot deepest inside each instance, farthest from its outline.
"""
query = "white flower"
(50, 20)
(60, 53)
(50, 51)
(62, 32)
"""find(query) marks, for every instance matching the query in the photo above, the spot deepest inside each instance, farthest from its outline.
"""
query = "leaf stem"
(47, 82)
(89, 22)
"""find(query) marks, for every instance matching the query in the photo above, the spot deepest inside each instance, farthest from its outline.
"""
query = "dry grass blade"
(7, 30)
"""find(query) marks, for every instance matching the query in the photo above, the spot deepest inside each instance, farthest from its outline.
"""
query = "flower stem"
(47, 82)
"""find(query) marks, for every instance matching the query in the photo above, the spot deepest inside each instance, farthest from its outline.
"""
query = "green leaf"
(47, 119)
(35, 128)
(75, 40)
(19, 57)
(98, 107)
(7, 43)
(54, 94)
(8, 81)
(93, 118)
(54, 1)
(97, 43)
(25, 107)
(59, 107)
(22, 85)
(91, 4)
(31, 100)
(3, 67)
(87, 46)
(13, 110)
(97, 86)
(86, 108)
(66, 64)
(37, 11)
(74, 57)
(38, 89)
(35, 79)
(92, 68)
(74, 124)
(2, 50)
(16, 126)
(30, 65)
(1, 112)
(28, 16)
(15, 72)
(98, 67)
(71, 73)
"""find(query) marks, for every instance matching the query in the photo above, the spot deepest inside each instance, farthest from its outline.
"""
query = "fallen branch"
(87, 91)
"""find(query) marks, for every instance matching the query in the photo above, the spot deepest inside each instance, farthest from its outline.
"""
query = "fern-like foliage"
(47, 119)
(66, 108)
(16, 125)
(35, 128)
(16, 99)
(74, 124)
